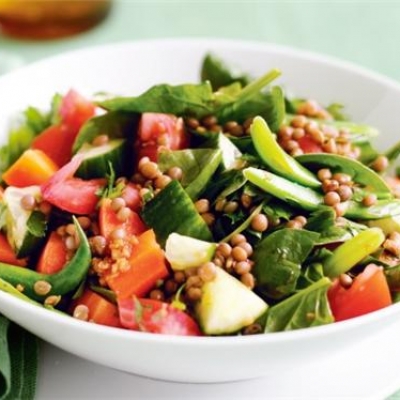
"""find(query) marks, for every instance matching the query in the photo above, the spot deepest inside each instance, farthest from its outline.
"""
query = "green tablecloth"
(363, 32)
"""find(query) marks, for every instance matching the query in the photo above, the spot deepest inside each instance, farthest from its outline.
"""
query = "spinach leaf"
(224, 184)
(198, 167)
(196, 100)
(309, 275)
(115, 124)
(308, 307)
(330, 228)
(37, 224)
(269, 105)
(278, 258)
(215, 70)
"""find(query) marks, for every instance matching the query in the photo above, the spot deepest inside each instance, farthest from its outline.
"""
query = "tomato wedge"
(368, 292)
(154, 316)
(308, 145)
(157, 131)
(54, 255)
(74, 195)
(7, 254)
(57, 140)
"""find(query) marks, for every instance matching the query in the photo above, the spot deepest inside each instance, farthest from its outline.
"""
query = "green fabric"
(18, 362)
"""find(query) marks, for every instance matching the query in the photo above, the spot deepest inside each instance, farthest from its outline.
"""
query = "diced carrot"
(7, 254)
(147, 266)
(109, 221)
(101, 310)
(53, 256)
(33, 167)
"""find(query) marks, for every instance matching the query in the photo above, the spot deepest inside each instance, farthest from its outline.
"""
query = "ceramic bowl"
(131, 68)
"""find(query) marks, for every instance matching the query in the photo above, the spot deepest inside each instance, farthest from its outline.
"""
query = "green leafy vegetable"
(278, 258)
(309, 307)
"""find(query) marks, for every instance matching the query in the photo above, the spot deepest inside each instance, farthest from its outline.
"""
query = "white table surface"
(346, 375)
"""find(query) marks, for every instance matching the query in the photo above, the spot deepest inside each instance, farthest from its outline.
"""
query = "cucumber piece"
(25, 229)
(96, 159)
(172, 210)
(226, 305)
(186, 252)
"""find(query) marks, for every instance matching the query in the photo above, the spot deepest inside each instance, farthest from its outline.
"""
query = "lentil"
(52, 300)
(239, 253)
(259, 223)
(369, 200)
(224, 249)
(207, 271)
(345, 192)
(208, 218)
(230, 207)
(149, 170)
(193, 293)
(238, 238)
(380, 163)
(246, 200)
(345, 280)
(285, 132)
(331, 198)
(28, 202)
(156, 294)
(247, 247)
(100, 140)
(324, 174)
(123, 214)
(117, 203)
(253, 329)
(299, 121)
(84, 222)
(162, 181)
(248, 280)
(42, 288)
(81, 312)
(242, 267)
(175, 173)
(118, 233)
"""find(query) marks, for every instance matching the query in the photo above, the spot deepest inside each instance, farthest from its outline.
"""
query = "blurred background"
(363, 32)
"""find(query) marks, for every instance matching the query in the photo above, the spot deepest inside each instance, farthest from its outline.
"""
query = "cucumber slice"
(97, 159)
(25, 229)
(186, 252)
(227, 305)
(172, 210)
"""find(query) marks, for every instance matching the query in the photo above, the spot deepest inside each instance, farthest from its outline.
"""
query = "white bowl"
(130, 68)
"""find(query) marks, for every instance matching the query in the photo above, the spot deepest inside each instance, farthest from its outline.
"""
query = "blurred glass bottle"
(50, 19)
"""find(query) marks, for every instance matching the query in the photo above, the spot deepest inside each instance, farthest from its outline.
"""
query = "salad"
(223, 207)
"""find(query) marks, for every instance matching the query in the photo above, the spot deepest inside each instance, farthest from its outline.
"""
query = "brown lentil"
(290, 145)
(52, 300)
(179, 277)
(117, 203)
(317, 136)
(248, 280)
(330, 146)
(294, 224)
(162, 181)
(331, 198)
(81, 312)
(392, 246)
(301, 219)
(193, 293)
(342, 178)
(170, 286)
(224, 249)
(209, 121)
(230, 207)
(247, 247)
(156, 294)
(330, 185)
(100, 140)
(246, 200)
(70, 243)
(70, 229)
(207, 271)
(238, 238)
(193, 281)
(296, 152)
(252, 329)
(208, 218)
(123, 214)
(149, 170)
(118, 233)
(239, 253)
(192, 123)
(298, 133)
(259, 223)
(202, 206)
(84, 222)
(380, 163)
(299, 121)
(242, 267)
(340, 209)
(345, 280)
(369, 200)
(285, 132)
(98, 244)
(41, 288)
(324, 174)
(220, 204)
(28, 202)
(345, 192)
(175, 173)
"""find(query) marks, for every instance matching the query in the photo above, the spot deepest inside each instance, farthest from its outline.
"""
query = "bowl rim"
(243, 340)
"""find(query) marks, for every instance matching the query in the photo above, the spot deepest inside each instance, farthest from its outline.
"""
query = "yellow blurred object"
(49, 19)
